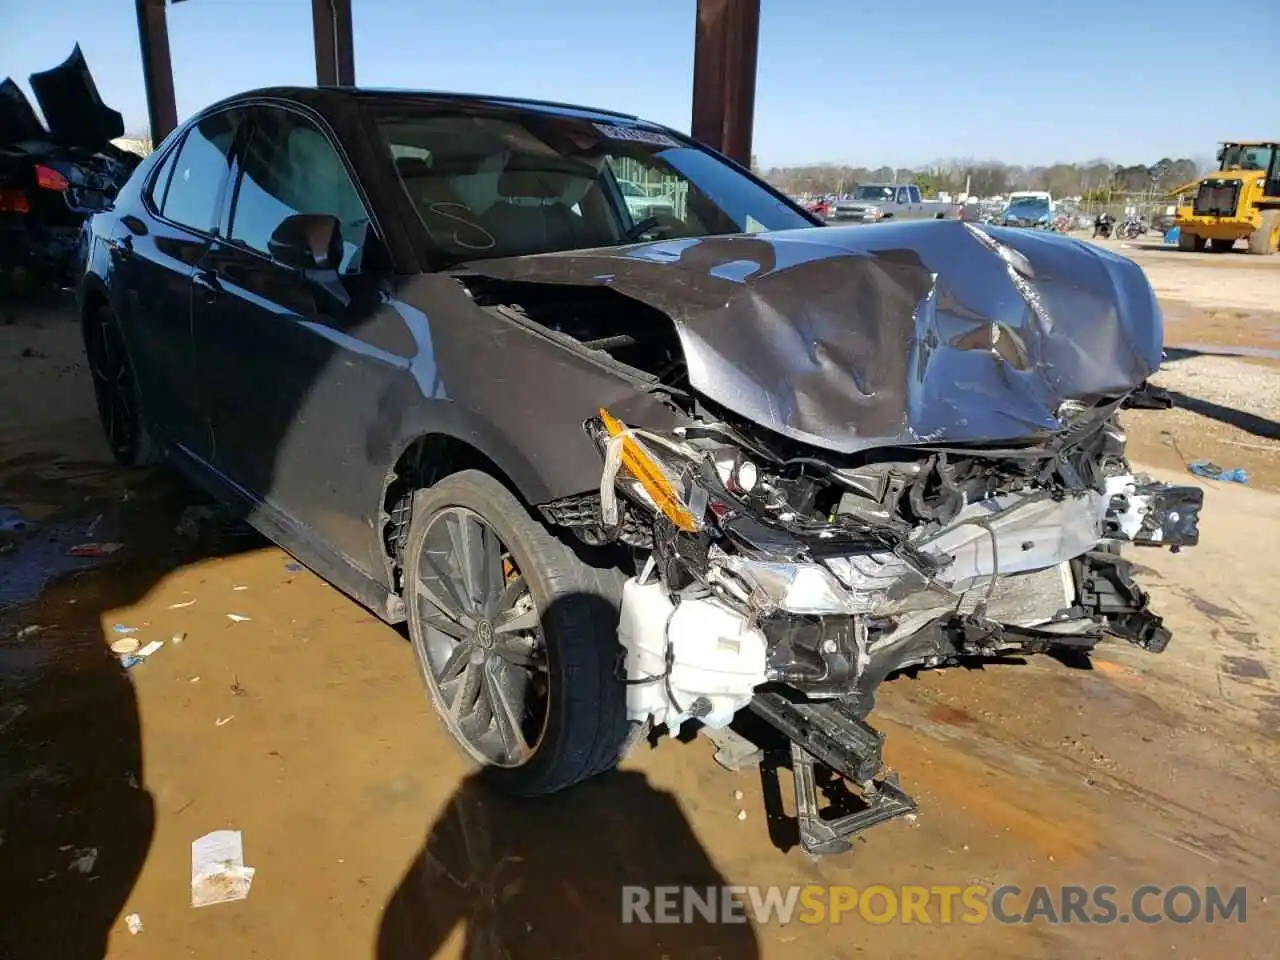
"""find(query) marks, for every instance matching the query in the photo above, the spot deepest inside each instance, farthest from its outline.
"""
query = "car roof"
(324, 99)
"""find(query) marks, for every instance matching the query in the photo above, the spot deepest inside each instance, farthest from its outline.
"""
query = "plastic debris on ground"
(734, 752)
(125, 646)
(132, 661)
(223, 721)
(92, 528)
(218, 873)
(134, 923)
(121, 628)
(182, 604)
(1211, 471)
(94, 549)
(293, 567)
(30, 631)
(237, 617)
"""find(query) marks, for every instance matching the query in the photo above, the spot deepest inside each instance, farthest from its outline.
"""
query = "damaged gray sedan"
(621, 470)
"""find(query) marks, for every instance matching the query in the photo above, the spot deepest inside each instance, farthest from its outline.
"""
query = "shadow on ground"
(76, 817)
(1249, 422)
(506, 877)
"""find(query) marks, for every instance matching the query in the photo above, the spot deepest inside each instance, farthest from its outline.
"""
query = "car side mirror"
(307, 241)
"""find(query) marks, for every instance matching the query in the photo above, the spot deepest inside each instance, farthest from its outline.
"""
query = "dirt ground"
(1222, 341)
(305, 727)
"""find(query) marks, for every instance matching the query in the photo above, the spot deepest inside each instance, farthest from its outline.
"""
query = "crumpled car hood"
(72, 106)
(849, 338)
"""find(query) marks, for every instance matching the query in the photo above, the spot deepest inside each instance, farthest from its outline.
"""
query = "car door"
(153, 258)
(905, 210)
(285, 360)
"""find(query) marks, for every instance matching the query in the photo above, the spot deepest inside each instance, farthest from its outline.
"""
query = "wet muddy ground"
(305, 727)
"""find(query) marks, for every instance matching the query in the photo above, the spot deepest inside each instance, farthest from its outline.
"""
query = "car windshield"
(1025, 205)
(873, 193)
(491, 182)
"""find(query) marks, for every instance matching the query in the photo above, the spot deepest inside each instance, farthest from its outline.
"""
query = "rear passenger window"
(160, 183)
(199, 170)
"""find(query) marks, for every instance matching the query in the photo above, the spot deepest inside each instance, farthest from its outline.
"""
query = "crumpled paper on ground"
(218, 873)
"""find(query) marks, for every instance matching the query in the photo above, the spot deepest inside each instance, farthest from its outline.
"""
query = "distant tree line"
(1096, 179)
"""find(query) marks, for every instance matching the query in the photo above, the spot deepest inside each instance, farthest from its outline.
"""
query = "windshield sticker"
(636, 134)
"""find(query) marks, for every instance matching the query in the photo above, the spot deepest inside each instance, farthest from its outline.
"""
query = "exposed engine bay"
(790, 557)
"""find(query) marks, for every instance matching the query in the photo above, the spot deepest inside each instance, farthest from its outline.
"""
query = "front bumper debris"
(832, 734)
(1148, 513)
(798, 594)
(1014, 574)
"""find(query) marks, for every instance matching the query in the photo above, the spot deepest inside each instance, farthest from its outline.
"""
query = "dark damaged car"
(621, 473)
(52, 179)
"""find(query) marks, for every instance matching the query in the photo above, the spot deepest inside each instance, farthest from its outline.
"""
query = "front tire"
(516, 638)
(1266, 239)
(116, 389)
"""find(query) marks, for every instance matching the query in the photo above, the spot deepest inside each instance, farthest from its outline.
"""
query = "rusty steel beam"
(157, 68)
(724, 75)
(335, 51)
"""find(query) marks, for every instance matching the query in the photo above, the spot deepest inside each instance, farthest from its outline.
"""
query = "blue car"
(1028, 212)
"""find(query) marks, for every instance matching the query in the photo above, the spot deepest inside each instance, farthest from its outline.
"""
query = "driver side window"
(290, 167)
(902, 195)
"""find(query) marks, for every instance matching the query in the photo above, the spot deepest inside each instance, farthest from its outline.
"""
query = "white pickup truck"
(875, 202)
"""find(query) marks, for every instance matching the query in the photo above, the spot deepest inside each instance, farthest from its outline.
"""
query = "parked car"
(52, 179)
(874, 202)
(821, 207)
(615, 473)
(1028, 212)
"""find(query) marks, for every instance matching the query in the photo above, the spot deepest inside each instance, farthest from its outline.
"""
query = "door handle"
(208, 284)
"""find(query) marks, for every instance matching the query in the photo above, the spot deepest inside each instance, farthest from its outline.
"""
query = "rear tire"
(1266, 238)
(583, 729)
(1221, 246)
(115, 387)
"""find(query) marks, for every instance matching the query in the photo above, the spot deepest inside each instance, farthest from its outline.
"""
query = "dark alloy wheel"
(116, 391)
(486, 662)
(516, 637)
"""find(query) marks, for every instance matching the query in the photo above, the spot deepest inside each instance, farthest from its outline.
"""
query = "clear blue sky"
(902, 83)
